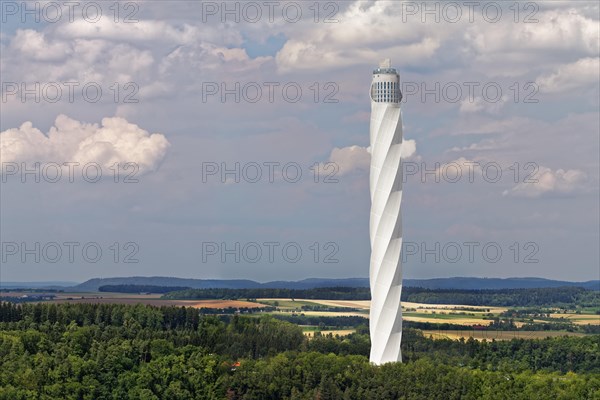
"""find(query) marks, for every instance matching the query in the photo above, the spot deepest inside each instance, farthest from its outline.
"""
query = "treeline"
(140, 288)
(323, 320)
(108, 351)
(234, 310)
(562, 296)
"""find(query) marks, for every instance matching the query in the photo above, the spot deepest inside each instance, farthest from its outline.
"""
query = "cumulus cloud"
(298, 54)
(351, 158)
(358, 158)
(547, 183)
(580, 74)
(555, 29)
(107, 53)
(373, 28)
(114, 141)
(557, 34)
(45, 57)
(146, 31)
(35, 46)
(203, 56)
(370, 29)
(409, 149)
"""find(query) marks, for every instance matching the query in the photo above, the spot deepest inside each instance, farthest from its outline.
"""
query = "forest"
(109, 351)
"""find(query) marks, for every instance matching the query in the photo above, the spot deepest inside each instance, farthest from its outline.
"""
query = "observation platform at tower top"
(385, 71)
(385, 67)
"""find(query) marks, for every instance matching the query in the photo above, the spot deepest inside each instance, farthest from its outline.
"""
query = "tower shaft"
(385, 222)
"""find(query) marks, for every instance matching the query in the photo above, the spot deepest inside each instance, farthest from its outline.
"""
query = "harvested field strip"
(496, 335)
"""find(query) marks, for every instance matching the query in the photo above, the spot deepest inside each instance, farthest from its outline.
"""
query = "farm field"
(455, 319)
(445, 316)
(361, 304)
(340, 332)
(581, 319)
(424, 307)
(496, 335)
(365, 304)
(287, 303)
(153, 301)
(424, 312)
(313, 309)
(420, 312)
(336, 313)
(434, 314)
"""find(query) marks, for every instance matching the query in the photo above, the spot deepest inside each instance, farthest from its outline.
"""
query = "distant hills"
(37, 285)
(92, 285)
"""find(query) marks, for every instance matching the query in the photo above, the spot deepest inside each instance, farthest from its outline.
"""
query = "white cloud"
(115, 141)
(152, 31)
(105, 53)
(558, 34)
(580, 74)
(548, 182)
(358, 158)
(555, 30)
(297, 54)
(204, 56)
(459, 169)
(370, 29)
(35, 46)
(58, 59)
(409, 149)
(365, 31)
(351, 158)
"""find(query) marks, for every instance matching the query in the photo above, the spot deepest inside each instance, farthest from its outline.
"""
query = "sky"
(205, 139)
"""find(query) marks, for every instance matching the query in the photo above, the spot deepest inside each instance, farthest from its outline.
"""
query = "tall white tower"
(385, 225)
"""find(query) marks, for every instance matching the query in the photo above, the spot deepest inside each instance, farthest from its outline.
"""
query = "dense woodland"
(559, 297)
(562, 296)
(91, 351)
